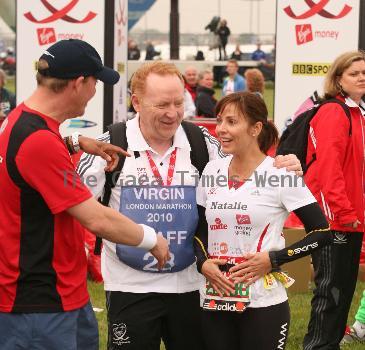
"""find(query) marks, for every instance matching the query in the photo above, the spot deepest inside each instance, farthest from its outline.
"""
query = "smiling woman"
(239, 241)
(244, 114)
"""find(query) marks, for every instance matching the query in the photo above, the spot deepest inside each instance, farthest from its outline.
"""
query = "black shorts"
(263, 328)
(138, 321)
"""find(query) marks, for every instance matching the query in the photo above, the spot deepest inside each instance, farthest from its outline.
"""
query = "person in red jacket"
(336, 178)
(191, 80)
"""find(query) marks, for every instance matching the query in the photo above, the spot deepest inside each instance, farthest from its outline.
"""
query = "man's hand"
(105, 150)
(290, 162)
(256, 266)
(161, 251)
(220, 283)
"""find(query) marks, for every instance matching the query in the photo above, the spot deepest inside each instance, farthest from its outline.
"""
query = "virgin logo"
(243, 219)
(304, 33)
(317, 8)
(60, 14)
(46, 36)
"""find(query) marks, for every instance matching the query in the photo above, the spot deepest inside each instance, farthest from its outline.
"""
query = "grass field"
(299, 305)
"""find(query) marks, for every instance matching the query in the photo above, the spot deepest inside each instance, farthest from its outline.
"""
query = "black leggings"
(263, 328)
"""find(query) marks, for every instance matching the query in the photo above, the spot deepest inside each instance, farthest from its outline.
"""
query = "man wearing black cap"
(44, 303)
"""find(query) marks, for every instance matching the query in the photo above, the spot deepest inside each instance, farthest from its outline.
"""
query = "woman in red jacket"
(336, 178)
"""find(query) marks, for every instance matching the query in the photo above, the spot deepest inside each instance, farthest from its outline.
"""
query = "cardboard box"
(300, 269)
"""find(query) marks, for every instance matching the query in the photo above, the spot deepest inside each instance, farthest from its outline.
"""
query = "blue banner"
(136, 9)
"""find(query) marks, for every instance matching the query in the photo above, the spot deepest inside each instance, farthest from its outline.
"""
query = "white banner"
(120, 60)
(41, 23)
(310, 34)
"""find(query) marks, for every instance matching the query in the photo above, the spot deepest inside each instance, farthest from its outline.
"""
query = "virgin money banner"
(310, 35)
(120, 60)
(41, 23)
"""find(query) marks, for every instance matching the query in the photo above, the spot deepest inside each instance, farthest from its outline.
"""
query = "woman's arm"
(318, 236)
(261, 263)
(331, 137)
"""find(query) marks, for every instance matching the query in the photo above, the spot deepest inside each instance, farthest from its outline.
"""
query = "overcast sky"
(242, 15)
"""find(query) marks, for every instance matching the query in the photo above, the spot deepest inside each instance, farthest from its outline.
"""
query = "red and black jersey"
(42, 255)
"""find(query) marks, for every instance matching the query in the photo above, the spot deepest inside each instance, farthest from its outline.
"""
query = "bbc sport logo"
(310, 68)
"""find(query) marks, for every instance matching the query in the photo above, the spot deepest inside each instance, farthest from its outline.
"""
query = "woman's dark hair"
(253, 108)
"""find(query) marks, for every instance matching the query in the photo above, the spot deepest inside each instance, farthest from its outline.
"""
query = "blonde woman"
(336, 178)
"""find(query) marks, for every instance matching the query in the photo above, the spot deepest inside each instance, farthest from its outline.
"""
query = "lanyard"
(170, 173)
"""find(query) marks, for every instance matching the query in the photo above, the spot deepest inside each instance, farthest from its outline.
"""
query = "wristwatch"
(75, 141)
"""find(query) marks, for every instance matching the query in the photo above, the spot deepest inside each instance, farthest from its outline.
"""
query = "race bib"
(237, 301)
(171, 210)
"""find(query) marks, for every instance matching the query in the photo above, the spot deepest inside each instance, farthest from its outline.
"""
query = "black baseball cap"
(73, 58)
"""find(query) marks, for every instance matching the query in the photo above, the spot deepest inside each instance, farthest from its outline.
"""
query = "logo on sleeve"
(302, 249)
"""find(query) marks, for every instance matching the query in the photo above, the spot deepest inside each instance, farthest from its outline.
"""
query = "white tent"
(5, 31)
(7, 35)
(7, 11)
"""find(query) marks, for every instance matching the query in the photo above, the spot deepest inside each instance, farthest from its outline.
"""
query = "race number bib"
(236, 302)
(171, 210)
